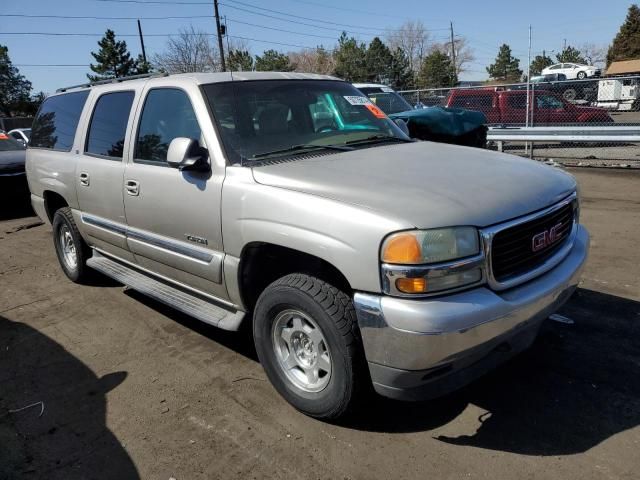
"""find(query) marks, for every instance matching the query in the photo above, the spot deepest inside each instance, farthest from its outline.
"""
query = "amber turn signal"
(402, 248)
(411, 285)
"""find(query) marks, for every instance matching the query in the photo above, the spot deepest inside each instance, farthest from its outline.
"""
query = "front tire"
(70, 248)
(306, 337)
(581, 75)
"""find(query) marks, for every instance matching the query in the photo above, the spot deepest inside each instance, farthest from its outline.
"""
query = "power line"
(86, 17)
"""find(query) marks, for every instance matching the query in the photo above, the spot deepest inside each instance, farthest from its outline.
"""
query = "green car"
(437, 124)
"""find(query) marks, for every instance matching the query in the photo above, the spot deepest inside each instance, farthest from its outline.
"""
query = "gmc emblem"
(546, 238)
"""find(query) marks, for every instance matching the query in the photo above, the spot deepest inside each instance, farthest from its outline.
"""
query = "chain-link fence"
(549, 101)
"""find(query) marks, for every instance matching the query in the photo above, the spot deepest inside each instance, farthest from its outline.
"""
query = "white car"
(21, 135)
(573, 70)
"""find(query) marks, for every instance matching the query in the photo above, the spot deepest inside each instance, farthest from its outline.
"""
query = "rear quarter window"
(57, 120)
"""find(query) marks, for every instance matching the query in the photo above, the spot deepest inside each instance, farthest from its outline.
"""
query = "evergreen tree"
(570, 55)
(350, 58)
(113, 59)
(142, 66)
(540, 63)
(626, 45)
(15, 89)
(378, 61)
(437, 71)
(273, 61)
(401, 74)
(239, 61)
(506, 66)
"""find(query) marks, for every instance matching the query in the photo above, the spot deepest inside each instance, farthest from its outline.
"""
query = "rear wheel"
(305, 331)
(569, 94)
(71, 250)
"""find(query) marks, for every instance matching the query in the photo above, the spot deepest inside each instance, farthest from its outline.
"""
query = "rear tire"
(307, 340)
(570, 94)
(71, 249)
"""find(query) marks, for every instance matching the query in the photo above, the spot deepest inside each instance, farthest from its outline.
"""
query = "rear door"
(174, 216)
(100, 171)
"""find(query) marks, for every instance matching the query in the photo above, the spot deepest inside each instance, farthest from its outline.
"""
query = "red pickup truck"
(510, 106)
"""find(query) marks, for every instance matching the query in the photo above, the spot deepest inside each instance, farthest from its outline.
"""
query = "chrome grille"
(512, 249)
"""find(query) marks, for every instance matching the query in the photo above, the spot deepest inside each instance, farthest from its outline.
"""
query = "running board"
(186, 302)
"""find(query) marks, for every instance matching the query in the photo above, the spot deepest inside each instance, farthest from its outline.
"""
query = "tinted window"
(109, 124)
(548, 102)
(167, 114)
(517, 101)
(473, 102)
(56, 122)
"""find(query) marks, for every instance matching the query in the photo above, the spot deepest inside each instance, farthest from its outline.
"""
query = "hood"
(443, 121)
(426, 184)
(12, 161)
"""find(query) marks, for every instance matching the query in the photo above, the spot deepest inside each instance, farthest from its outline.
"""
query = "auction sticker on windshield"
(375, 110)
(357, 100)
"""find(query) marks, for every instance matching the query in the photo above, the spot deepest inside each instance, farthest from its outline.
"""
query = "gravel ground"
(97, 382)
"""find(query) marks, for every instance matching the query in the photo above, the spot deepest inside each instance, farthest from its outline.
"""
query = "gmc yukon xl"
(290, 203)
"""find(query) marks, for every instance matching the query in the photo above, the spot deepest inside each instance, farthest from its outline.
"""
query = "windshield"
(389, 101)
(7, 143)
(258, 119)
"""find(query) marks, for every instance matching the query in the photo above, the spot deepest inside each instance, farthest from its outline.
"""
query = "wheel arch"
(262, 263)
(53, 201)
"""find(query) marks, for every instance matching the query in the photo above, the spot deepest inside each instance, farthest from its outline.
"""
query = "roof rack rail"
(113, 80)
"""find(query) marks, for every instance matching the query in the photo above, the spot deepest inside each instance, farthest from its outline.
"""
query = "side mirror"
(187, 154)
(402, 125)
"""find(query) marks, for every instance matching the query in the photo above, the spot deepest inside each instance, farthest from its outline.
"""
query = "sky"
(44, 59)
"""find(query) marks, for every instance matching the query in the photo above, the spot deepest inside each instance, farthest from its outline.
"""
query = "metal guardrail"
(600, 134)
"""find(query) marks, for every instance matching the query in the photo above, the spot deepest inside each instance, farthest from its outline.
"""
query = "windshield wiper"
(379, 138)
(302, 146)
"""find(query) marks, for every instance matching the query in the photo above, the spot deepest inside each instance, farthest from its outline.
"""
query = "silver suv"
(289, 201)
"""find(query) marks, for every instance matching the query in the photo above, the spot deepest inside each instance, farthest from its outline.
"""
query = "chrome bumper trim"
(426, 333)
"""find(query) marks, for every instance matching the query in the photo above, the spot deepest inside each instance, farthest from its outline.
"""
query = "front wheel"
(306, 337)
(581, 75)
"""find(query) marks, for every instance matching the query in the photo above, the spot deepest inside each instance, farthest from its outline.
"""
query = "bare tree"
(189, 51)
(414, 39)
(464, 53)
(594, 54)
(318, 60)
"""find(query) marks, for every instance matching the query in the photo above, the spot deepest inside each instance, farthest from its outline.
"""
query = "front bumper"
(419, 349)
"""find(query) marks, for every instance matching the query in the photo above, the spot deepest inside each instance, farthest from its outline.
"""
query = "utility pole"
(220, 46)
(453, 51)
(565, 45)
(144, 54)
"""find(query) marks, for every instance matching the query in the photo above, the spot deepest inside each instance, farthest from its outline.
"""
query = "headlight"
(431, 261)
(430, 246)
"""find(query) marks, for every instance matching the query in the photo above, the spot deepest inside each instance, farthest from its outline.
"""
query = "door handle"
(132, 187)
(84, 179)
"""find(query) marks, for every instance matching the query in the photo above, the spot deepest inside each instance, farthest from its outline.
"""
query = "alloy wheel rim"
(301, 350)
(68, 246)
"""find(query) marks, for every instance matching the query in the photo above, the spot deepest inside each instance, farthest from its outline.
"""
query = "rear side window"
(109, 124)
(518, 101)
(473, 102)
(167, 114)
(57, 120)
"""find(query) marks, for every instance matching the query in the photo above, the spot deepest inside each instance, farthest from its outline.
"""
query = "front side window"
(548, 102)
(167, 114)
(259, 118)
(57, 120)
(109, 124)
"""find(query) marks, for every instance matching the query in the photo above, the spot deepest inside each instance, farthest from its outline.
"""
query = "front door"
(174, 216)
(100, 170)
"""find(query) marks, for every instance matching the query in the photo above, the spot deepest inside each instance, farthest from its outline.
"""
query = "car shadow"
(52, 412)
(576, 387)
(573, 389)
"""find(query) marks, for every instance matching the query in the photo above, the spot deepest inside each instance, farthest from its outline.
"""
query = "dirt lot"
(131, 389)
